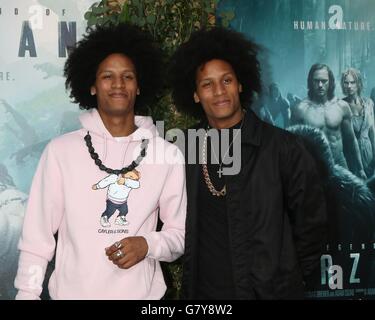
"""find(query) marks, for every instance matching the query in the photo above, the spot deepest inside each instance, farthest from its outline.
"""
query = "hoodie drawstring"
(124, 153)
(105, 147)
(125, 149)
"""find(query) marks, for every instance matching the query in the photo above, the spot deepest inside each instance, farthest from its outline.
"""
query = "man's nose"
(118, 82)
(219, 89)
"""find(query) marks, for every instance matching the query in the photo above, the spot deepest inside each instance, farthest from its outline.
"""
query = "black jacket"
(276, 213)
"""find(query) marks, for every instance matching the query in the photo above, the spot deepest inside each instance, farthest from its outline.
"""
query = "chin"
(120, 110)
(222, 115)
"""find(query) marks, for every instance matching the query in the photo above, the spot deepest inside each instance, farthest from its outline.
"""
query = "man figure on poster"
(333, 116)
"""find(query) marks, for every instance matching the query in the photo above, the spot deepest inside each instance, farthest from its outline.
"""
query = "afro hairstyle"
(203, 46)
(83, 62)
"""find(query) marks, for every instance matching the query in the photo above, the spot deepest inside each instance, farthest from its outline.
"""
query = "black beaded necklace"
(102, 167)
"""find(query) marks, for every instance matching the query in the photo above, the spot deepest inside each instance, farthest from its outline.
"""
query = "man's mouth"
(118, 95)
(221, 103)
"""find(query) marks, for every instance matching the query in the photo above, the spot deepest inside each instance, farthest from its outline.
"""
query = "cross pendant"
(220, 171)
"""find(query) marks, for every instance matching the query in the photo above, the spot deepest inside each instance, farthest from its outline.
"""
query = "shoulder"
(294, 155)
(171, 152)
(67, 139)
(305, 103)
(286, 151)
(302, 106)
(280, 138)
(339, 104)
(65, 142)
(287, 144)
(342, 104)
(369, 103)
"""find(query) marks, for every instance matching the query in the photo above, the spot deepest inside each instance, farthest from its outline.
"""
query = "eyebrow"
(111, 70)
(210, 78)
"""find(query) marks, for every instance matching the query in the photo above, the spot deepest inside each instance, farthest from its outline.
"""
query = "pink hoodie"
(62, 199)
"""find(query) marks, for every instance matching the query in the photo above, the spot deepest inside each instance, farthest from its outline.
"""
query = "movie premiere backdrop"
(34, 106)
(293, 34)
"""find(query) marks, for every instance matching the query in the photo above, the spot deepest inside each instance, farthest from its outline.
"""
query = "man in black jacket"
(255, 232)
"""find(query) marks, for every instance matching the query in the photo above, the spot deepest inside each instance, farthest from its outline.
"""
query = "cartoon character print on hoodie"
(119, 187)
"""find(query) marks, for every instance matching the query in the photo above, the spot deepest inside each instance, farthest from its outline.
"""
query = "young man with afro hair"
(258, 232)
(108, 245)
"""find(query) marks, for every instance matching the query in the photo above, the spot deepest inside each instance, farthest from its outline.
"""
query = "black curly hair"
(205, 45)
(82, 64)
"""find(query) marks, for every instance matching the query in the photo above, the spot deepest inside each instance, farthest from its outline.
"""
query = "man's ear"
(240, 88)
(93, 90)
(196, 98)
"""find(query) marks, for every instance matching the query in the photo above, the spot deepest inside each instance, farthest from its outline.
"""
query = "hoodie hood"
(91, 121)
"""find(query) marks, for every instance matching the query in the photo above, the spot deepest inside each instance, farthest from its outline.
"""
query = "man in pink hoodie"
(114, 72)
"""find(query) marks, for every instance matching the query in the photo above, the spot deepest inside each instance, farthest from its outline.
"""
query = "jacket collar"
(251, 130)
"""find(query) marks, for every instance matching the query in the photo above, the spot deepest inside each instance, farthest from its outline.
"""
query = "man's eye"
(227, 81)
(206, 84)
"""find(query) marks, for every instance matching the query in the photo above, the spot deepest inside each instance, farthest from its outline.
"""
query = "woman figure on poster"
(363, 117)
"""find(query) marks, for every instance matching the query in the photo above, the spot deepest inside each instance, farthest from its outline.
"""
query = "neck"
(226, 123)
(354, 98)
(321, 100)
(118, 126)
